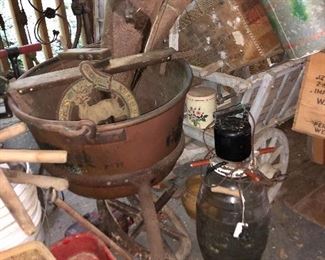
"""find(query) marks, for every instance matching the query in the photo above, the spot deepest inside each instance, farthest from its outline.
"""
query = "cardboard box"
(310, 113)
(316, 150)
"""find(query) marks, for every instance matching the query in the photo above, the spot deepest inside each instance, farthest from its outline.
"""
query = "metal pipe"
(159, 204)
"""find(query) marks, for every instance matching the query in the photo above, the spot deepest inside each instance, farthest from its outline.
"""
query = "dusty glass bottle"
(219, 213)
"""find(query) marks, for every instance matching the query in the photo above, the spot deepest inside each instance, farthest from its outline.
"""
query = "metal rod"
(86, 224)
(159, 204)
(107, 33)
(151, 222)
(88, 29)
(114, 229)
(127, 209)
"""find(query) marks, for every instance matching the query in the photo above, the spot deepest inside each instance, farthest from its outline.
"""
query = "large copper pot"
(104, 160)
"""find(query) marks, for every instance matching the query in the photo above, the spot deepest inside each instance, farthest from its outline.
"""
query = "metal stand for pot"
(156, 217)
(156, 224)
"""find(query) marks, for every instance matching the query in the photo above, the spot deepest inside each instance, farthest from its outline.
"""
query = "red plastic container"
(83, 246)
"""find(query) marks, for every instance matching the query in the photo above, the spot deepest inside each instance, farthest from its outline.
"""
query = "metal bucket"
(300, 25)
(105, 161)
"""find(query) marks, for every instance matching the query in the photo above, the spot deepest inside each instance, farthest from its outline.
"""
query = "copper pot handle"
(71, 129)
(80, 130)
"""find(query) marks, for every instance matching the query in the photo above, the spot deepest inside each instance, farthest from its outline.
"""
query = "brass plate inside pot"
(84, 93)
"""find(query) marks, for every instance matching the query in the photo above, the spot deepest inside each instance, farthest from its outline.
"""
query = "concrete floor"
(291, 236)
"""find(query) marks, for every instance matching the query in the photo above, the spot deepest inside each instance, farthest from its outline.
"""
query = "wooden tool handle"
(200, 163)
(226, 191)
(252, 175)
(25, 49)
(44, 182)
(12, 131)
(14, 205)
(33, 156)
(118, 65)
(266, 150)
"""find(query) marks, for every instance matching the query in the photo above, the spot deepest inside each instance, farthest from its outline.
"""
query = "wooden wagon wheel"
(126, 228)
(269, 164)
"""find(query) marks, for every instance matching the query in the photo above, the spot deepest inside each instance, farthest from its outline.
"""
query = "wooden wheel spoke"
(259, 161)
(277, 166)
(263, 144)
(264, 158)
(275, 154)
(276, 161)
(273, 141)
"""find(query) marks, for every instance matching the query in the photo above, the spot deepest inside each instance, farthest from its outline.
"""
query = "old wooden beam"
(164, 20)
(20, 31)
(43, 30)
(4, 64)
(64, 28)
